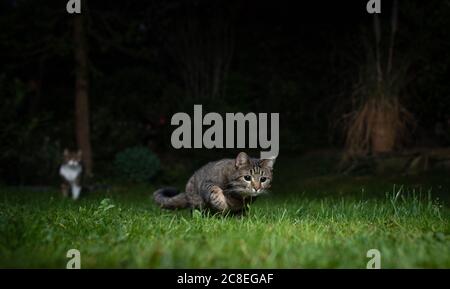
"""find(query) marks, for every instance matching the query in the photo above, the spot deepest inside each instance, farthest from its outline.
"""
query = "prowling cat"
(227, 185)
(71, 171)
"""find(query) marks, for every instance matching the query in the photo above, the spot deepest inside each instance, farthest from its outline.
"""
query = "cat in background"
(227, 185)
(71, 171)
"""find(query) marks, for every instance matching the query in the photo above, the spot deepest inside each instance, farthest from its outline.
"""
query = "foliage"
(110, 135)
(137, 164)
(281, 63)
(311, 219)
(150, 98)
(294, 231)
(27, 153)
(379, 121)
(377, 107)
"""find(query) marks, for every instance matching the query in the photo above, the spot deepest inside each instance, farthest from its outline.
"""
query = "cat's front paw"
(218, 200)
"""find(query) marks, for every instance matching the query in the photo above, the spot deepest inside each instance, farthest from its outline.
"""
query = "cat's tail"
(170, 198)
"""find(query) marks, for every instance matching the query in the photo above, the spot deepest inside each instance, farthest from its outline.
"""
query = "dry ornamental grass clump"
(379, 122)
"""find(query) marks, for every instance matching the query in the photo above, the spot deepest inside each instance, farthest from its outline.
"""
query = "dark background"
(150, 59)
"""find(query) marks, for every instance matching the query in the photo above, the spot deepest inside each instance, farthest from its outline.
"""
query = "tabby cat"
(71, 172)
(226, 185)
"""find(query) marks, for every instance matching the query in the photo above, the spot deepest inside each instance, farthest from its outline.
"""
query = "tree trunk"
(82, 93)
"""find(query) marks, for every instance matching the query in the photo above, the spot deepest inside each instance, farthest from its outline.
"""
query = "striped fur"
(222, 186)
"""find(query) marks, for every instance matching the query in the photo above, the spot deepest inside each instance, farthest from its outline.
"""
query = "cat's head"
(251, 177)
(72, 158)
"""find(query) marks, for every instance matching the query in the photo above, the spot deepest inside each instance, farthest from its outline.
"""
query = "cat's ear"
(242, 159)
(79, 154)
(268, 163)
(66, 153)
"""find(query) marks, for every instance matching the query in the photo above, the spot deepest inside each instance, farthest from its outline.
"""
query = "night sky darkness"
(300, 59)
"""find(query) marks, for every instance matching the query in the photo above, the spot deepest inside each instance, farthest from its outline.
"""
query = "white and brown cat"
(71, 171)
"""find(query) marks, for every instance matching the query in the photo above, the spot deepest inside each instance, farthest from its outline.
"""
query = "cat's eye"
(247, 178)
(263, 179)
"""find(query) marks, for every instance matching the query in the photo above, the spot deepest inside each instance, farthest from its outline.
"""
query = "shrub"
(29, 152)
(137, 164)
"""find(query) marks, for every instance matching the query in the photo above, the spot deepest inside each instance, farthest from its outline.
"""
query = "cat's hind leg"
(76, 190)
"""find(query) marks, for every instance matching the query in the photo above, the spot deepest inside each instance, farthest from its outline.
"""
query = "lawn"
(326, 222)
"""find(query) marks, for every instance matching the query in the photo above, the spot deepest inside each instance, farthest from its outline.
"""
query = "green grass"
(124, 229)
